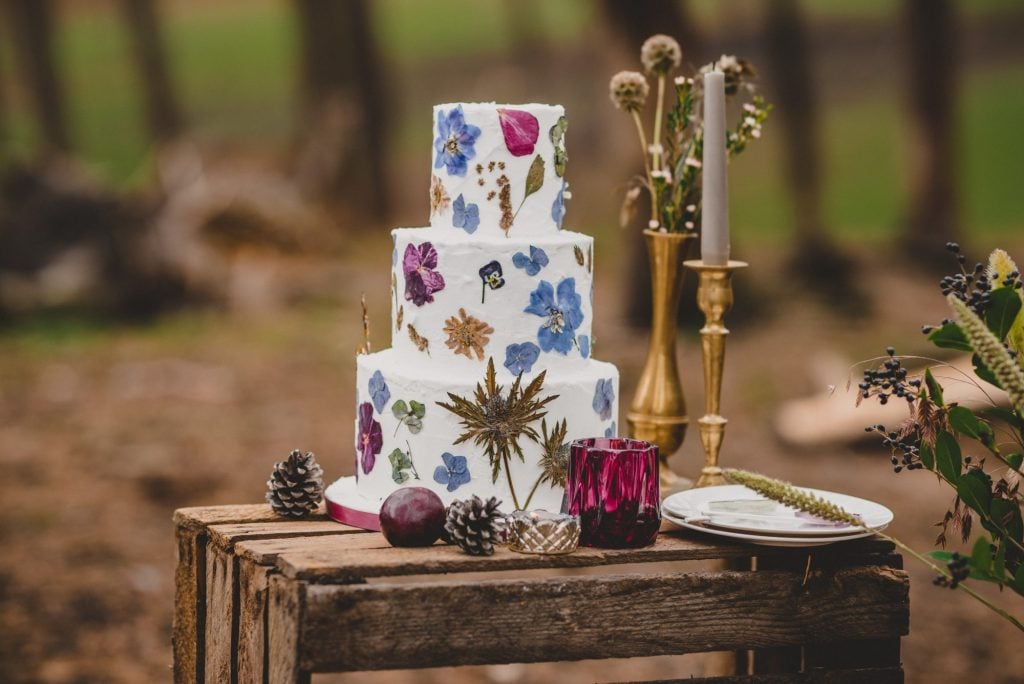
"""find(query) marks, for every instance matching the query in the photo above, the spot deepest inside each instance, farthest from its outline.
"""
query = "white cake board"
(346, 505)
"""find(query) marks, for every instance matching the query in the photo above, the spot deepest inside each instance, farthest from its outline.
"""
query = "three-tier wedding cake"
(490, 371)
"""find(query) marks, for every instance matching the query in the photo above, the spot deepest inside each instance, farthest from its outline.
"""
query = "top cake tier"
(498, 169)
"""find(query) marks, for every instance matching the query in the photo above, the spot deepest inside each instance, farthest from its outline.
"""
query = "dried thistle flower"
(467, 334)
(628, 90)
(498, 421)
(554, 462)
(788, 495)
(421, 342)
(660, 54)
(992, 352)
(738, 72)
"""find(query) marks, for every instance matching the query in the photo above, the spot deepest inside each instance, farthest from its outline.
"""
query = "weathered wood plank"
(786, 659)
(336, 562)
(224, 536)
(286, 627)
(200, 516)
(266, 551)
(189, 622)
(853, 653)
(355, 627)
(221, 614)
(252, 658)
(873, 675)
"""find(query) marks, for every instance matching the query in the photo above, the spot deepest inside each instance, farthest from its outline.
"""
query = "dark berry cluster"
(889, 379)
(973, 287)
(904, 451)
(958, 570)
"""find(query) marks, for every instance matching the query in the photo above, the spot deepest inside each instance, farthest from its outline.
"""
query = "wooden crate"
(260, 598)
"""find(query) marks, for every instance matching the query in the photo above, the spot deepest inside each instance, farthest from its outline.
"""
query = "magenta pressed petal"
(411, 259)
(520, 130)
(432, 281)
(427, 256)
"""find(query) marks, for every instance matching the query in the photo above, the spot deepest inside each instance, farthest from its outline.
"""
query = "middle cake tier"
(528, 303)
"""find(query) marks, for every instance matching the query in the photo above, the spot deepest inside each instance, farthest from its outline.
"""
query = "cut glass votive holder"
(542, 532)
(612, 485)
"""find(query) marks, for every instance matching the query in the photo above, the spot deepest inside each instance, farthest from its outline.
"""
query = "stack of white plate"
(736, 512)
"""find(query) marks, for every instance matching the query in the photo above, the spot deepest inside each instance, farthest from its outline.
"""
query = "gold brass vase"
(658, 411)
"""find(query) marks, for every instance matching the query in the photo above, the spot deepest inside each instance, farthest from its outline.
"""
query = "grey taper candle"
(714, 235)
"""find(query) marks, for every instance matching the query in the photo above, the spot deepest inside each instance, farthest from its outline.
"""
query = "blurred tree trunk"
(816, 259)
(932, 215)
(32, 23)
(634, 21)
(163, 114)
(341, 147)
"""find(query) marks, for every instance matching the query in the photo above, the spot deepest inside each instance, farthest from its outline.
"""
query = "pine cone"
(475, 525)
(296, 486)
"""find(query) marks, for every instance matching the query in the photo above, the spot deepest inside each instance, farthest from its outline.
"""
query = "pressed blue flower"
(454, 473)
(379, 391)
(611, 431)
(584, 343)
(492, 276)
(561, 312)
(558, 207)
(454, 144)
(519, 358)
(532, 264)
(465, 216)
(604, 397)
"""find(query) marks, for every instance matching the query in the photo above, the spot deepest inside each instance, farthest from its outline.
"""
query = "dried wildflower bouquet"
(672, 154)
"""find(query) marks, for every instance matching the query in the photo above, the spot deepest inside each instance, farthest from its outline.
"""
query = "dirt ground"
(104, 432)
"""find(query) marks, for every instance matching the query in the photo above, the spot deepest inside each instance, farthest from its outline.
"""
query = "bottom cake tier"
(404, 437)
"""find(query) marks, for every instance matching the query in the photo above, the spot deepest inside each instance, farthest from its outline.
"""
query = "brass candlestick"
(714, 297)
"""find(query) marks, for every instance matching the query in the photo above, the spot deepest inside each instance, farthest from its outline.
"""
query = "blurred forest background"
(194, 194)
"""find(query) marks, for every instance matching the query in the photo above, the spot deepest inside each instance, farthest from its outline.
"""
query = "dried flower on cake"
(557, 135)
(520, 130)
(628, 90)
(583, 342)
(492, 277)
(369, 440)
(421, 280)
(467, 334)
(454, 473)
(562, 313)
(499, 421)
(439, 199)
(379, 392)
(421, 342)
(454, 144)
(505, 204)
(611, 430)
(532, 264)
(465, 216)
(558, 207)
(402, 465)
(660, 54)
(519, 358)
(578, 253)
(554, 461)
(410, 415)
(604, 397)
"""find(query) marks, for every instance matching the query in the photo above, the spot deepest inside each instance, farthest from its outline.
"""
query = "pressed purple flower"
(561, 312)
(370, 439)
(454, 144)
(379, 391)
(558, 207)
(604, 397)
(519, 358)
(421, 280)
(492, 276)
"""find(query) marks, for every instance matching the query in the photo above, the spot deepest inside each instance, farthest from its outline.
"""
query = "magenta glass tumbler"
(612, 484)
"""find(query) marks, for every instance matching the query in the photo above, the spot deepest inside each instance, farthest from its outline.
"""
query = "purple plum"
(412, 516)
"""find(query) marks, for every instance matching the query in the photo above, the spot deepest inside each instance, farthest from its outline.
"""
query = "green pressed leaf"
(964, 421)
(414, 423)
(399, 476)
(1004, 305)
(558, 130)
(561, 161)
(934, 388)
(417, 409)
(950, 336)
(927, 456)
(535, 176)
(948, 458)
(975, 490)
(400, 409)
(982, 371)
